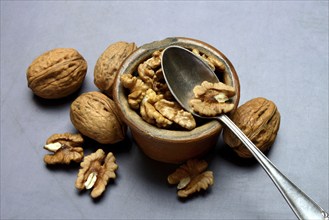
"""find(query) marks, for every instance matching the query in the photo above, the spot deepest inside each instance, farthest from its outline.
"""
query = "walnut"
(108, 64)
(160, 86)
(96, 116)
(174, 112)
(66, 148)
(216, 63)
(259, 119)
(149, 112)
(211, 99)
(213, 63)
(191, 177)
(137, 89)
(56, 73)
(147, 69)
(96, 170)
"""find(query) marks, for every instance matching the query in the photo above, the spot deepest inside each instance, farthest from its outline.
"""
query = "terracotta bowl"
(164, 145)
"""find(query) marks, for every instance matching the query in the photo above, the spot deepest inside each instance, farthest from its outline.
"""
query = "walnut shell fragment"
(66, 148)
(191, 177)
(56, 73)
(96, 170)
(259, 119)
(108, 64)
(96, 116)
(211, 99)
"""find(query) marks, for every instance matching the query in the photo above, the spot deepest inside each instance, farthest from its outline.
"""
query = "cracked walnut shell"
(191, 177)
(56, 73)
(96, 170)
(96, 116)
(66, 148)
(259, 119)
(108, 64)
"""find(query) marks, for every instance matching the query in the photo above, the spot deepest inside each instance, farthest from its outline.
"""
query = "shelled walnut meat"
(108, 64)
(259, 119)
(211, 99)
(96, 116)
(150, 96)
(66, 147)
(191, 177)
(56, 73)
(96, 170)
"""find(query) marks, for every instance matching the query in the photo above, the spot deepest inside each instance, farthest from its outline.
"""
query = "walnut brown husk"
(211, 99)
(259, 119)
(56, 73)
(96, 171)
(191, 177)
(96, 116)
(66, 148)
(108, 64)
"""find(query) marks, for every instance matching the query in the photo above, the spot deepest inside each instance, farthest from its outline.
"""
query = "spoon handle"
(302, 205)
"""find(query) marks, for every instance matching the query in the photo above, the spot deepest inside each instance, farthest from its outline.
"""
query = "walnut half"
(96, 170)
(66, 148)
(211, 99)
(191, 177)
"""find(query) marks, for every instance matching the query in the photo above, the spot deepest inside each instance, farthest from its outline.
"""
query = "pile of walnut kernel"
(61, 71)
(150, 96)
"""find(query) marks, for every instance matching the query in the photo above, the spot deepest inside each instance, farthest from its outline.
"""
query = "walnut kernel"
(96, 170)
(174, 112)
(211, 99)
(66, 148)
(191, 177)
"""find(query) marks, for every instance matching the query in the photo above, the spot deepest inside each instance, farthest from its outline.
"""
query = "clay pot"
(169, 145)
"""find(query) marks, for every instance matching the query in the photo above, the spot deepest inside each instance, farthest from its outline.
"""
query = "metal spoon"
(183, 71)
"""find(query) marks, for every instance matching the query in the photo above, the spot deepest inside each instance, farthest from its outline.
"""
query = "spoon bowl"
(182, 71)
(183, 80)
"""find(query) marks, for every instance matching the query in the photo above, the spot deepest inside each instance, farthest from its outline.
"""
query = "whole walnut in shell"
(96, 116)
(259, 119)
(108, 64)
(56, 73)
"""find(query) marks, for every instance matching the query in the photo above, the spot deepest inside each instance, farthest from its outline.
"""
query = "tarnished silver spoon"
(183, 71)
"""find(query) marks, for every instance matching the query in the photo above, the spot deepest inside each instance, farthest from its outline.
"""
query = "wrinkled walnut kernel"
(137, 89)
(191, 177)
(213, 63)
(174, 112)
(147, 69)
(96, 170)
(211, 99)
(66, 148)
(149, 113)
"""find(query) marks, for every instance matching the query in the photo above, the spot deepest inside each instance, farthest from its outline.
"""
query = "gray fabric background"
(279, 49)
